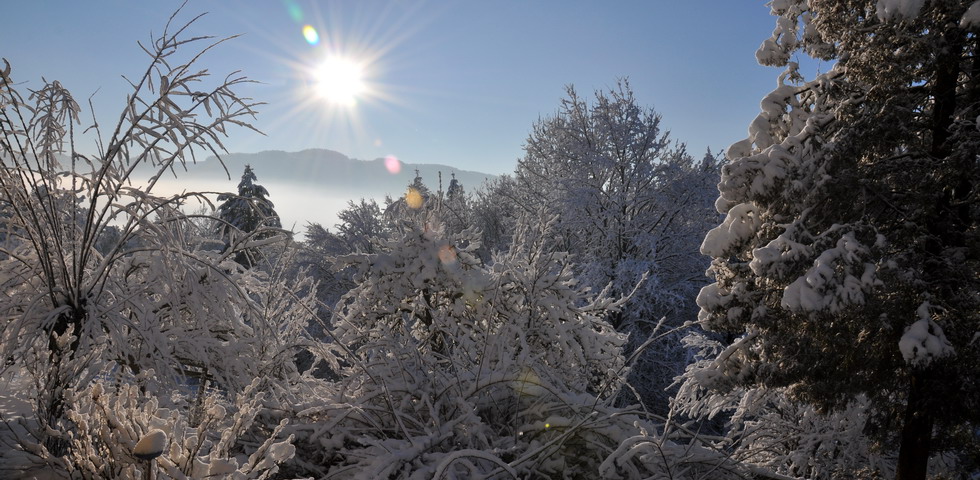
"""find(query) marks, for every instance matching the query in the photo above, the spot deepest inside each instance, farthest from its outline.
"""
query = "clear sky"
(449, 81)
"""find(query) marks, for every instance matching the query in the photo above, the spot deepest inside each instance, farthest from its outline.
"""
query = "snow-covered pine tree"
(849, 261)
(246, 217)
(455, 207)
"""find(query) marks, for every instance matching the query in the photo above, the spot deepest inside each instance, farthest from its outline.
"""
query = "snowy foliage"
(507, 332)
(431, 291)
(496, 206)
(766, 428)
(971, 19)
(898, 9)
(361, 224)
(455, 207)
(851, 223)
(114, 423)
(924, 341)
(416, 204)
(248, 210)
(451, 368)
(244, 220)
(106, 282)
(631, 206)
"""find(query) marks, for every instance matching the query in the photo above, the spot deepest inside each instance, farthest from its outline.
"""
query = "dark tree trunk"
(913, 456)
(944, 84)
(54, 408)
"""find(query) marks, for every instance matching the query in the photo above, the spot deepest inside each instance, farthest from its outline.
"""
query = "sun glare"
(339, 74)
(340, 81)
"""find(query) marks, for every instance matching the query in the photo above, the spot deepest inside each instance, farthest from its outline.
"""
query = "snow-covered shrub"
(110, 419)
(104, 279)
(453, 369)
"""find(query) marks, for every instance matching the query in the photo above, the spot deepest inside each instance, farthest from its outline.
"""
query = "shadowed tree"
(849, 261)
(245, 217)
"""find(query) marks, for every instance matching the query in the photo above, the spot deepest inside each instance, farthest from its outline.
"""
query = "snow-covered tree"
(848, 263)
(247, 216)
(495, 209)
(455, 208)
(631, 206)
(360, 225)
(766, 428)
(316, 252)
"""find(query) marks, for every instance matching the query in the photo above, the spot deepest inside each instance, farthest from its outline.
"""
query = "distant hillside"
(312, 185)
(326, 169)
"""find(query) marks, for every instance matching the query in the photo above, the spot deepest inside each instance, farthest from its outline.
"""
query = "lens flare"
(393, 165)
(528, 383)
(294, 11)
(309, 33)
(413, 198)
(447, 255)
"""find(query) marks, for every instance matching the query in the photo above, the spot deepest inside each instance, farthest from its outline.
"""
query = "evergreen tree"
(848, 260)
(455, 190)
(455, 207)
(246, 216)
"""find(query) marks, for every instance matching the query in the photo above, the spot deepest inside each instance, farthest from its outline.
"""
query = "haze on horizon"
(313, 185)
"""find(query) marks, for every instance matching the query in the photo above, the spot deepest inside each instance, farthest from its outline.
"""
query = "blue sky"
(453, 82)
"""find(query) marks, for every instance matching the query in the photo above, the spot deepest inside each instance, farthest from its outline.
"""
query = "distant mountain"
(312, 185)
(328, 170)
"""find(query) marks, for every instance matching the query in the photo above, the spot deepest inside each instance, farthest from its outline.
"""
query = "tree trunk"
(913, 455)
(54, 408)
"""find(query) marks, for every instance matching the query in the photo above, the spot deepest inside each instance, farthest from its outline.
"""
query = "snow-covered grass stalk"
(110, 419)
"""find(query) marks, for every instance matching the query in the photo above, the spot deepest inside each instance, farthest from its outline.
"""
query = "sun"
(339, 81)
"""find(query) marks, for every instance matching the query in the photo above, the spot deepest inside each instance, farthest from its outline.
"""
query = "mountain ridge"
(314, 166)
